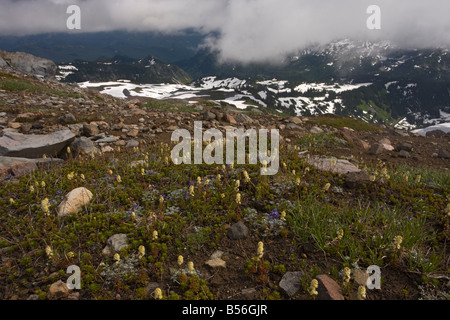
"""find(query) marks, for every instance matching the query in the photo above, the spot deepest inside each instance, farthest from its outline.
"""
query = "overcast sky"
(247, 30)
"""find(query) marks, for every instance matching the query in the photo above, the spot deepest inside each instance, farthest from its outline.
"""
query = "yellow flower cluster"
(398, 242)
(313, 287)
(326, 187)
(246, 177)
(260, 250)
(70, 176)
(180, 260)
(116, 258)
(44, 205)
(340, 234)
(158, 294)
(49, 252)
(141, 250)
(238, 198)
(155, 235)
(347, 272)
(361, 293)
(191, 190)
(191, 269)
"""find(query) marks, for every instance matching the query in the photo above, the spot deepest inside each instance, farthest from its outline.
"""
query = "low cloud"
(244, 30)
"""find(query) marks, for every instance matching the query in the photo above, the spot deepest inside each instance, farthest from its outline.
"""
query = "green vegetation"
(393, 221)
(342, 122)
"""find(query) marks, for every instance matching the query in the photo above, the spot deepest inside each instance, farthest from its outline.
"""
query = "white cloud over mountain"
(242, 30)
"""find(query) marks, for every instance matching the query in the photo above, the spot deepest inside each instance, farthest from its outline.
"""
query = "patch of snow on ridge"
(445, 127)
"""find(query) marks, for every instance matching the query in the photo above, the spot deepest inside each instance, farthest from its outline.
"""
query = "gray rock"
(243, 118)
(208, 116)
(109, 139)
(34, 146)
(355, 180)
(403, 154)
(67, 118)
(443, 154)
(132, 143)
(376, 148)
(27, 63)
(293, 126)
(116, 243)
(238, 231)
(333, 165)
(90, 130)
(290, 283)
(405, 146)
(316, 130)
(82, 145)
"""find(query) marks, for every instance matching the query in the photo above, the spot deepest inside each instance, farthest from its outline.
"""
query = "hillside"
(348, 195)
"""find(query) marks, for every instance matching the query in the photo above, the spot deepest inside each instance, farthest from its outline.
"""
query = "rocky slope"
(47, 106)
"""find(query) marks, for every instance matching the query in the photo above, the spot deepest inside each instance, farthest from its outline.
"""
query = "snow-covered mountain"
(374, 81)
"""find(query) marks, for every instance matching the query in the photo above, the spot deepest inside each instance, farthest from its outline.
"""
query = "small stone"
(132, 144)
(354, 180)
(315, 130)
(290, 283)
(238, 231)
(403, 154)
(19, 169)
(376, 149)
(107, 149)
(208, 116)
(405, 146)
(67, 118)
(90, 130)
(82, 145)
(443, 154)
(15, 125)
(58, 290)
(328, 289)
(216, 263)
(116, 243)
(133, 132)
(229, 119)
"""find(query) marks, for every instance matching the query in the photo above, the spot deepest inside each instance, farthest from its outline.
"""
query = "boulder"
(34, 146)
(74, 201)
